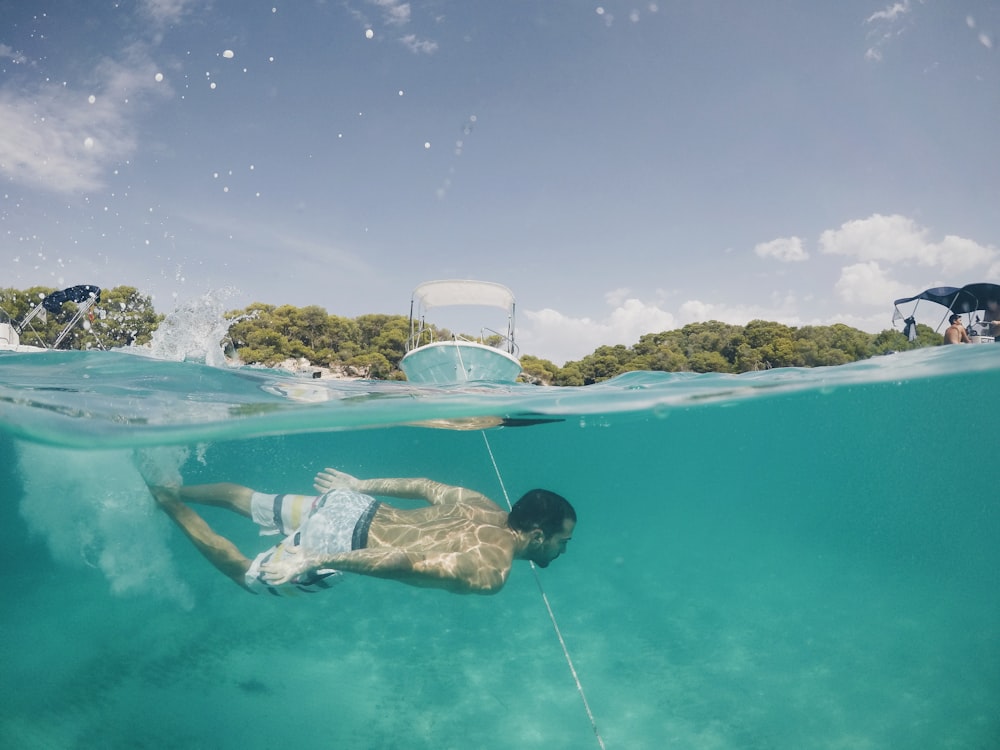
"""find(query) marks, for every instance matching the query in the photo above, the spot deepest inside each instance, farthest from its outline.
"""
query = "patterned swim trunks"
(332, 523)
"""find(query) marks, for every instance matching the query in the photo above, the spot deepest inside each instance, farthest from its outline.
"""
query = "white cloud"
(423, 46)
(551, 334)
(394, 12)
(886, 25)
(776, 307)
(61, 139)
(617, 296)
(898, 239)
(881, 237)
(53, 140)
(962, 254)
(785, 249)
(867, 284)
(891, 13)
(165, 12)
(633, 318)
(563, 338)
(9, 52)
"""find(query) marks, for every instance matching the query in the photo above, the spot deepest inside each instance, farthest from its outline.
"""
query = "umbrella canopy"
(54, 302)
(964, 299)
(463, 292)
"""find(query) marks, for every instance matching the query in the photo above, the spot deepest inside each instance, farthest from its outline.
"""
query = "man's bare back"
(956, 333)
(460, 542)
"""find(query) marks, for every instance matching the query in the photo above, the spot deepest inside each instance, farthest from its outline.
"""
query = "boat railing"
(501, 341)
(420, 335)
(424, 335)
(8, 335)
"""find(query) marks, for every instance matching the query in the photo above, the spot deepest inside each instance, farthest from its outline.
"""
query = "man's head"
(547, 519)
(955, 318)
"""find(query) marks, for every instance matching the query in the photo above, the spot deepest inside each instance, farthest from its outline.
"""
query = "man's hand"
(286, 564)
(331, 479)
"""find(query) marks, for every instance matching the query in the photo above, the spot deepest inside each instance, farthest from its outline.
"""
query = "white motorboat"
(489, 355)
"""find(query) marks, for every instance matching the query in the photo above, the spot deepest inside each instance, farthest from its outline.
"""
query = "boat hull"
(458, 362)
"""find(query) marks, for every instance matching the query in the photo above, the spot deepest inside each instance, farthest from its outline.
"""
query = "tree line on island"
(371, 346)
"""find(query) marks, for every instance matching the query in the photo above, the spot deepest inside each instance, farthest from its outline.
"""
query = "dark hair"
(540, 509)
(954, 317)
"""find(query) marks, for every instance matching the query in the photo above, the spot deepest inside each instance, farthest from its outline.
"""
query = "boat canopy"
(463, 292)
(964, 299)
(85, 295)
(54, 302)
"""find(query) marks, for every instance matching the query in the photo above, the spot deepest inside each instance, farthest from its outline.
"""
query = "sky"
(624, 167)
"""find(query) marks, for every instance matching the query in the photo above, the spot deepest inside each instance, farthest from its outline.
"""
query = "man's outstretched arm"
(459, 573)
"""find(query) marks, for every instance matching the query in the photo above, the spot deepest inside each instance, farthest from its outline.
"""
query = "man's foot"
(160, 466)
(168, 498)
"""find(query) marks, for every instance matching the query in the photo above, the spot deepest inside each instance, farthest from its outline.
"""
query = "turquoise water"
(788, 559)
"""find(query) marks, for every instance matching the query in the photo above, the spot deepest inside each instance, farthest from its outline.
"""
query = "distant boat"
(980, 303)
(85, 295)
(489, 356)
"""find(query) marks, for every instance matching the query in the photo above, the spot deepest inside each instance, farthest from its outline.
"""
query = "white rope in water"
(548, 607)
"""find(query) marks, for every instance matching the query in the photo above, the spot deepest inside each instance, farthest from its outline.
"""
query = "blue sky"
(623, 167)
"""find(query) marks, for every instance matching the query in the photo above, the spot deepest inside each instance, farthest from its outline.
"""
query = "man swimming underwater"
(461, 541)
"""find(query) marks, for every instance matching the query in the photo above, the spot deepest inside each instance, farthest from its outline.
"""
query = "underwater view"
(781, 559)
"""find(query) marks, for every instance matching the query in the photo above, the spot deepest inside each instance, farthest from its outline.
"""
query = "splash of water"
(195, 331)
(93, 510)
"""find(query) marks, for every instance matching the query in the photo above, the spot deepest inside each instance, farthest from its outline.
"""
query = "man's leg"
(218, 550)
(234, 497)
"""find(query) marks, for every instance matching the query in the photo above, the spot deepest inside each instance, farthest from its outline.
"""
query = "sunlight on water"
(797, 558)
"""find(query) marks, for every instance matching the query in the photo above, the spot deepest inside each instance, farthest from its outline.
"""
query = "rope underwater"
(548, 607)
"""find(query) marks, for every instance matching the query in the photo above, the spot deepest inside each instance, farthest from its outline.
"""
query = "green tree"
(391, 340)
(385, 334)
(16, 304)
(536, 370)
(712, 336)
(247, 320)
(569, 375)
(345, 338)
(605, 363)
(835, 345)
(371, 365)
(927, 336)
(662, 352)
(767, 344)
(705, 361)
(121, 318)
(264, 346)
(124, 317)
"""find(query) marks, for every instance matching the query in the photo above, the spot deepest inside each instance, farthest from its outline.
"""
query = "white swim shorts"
(331, 523)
